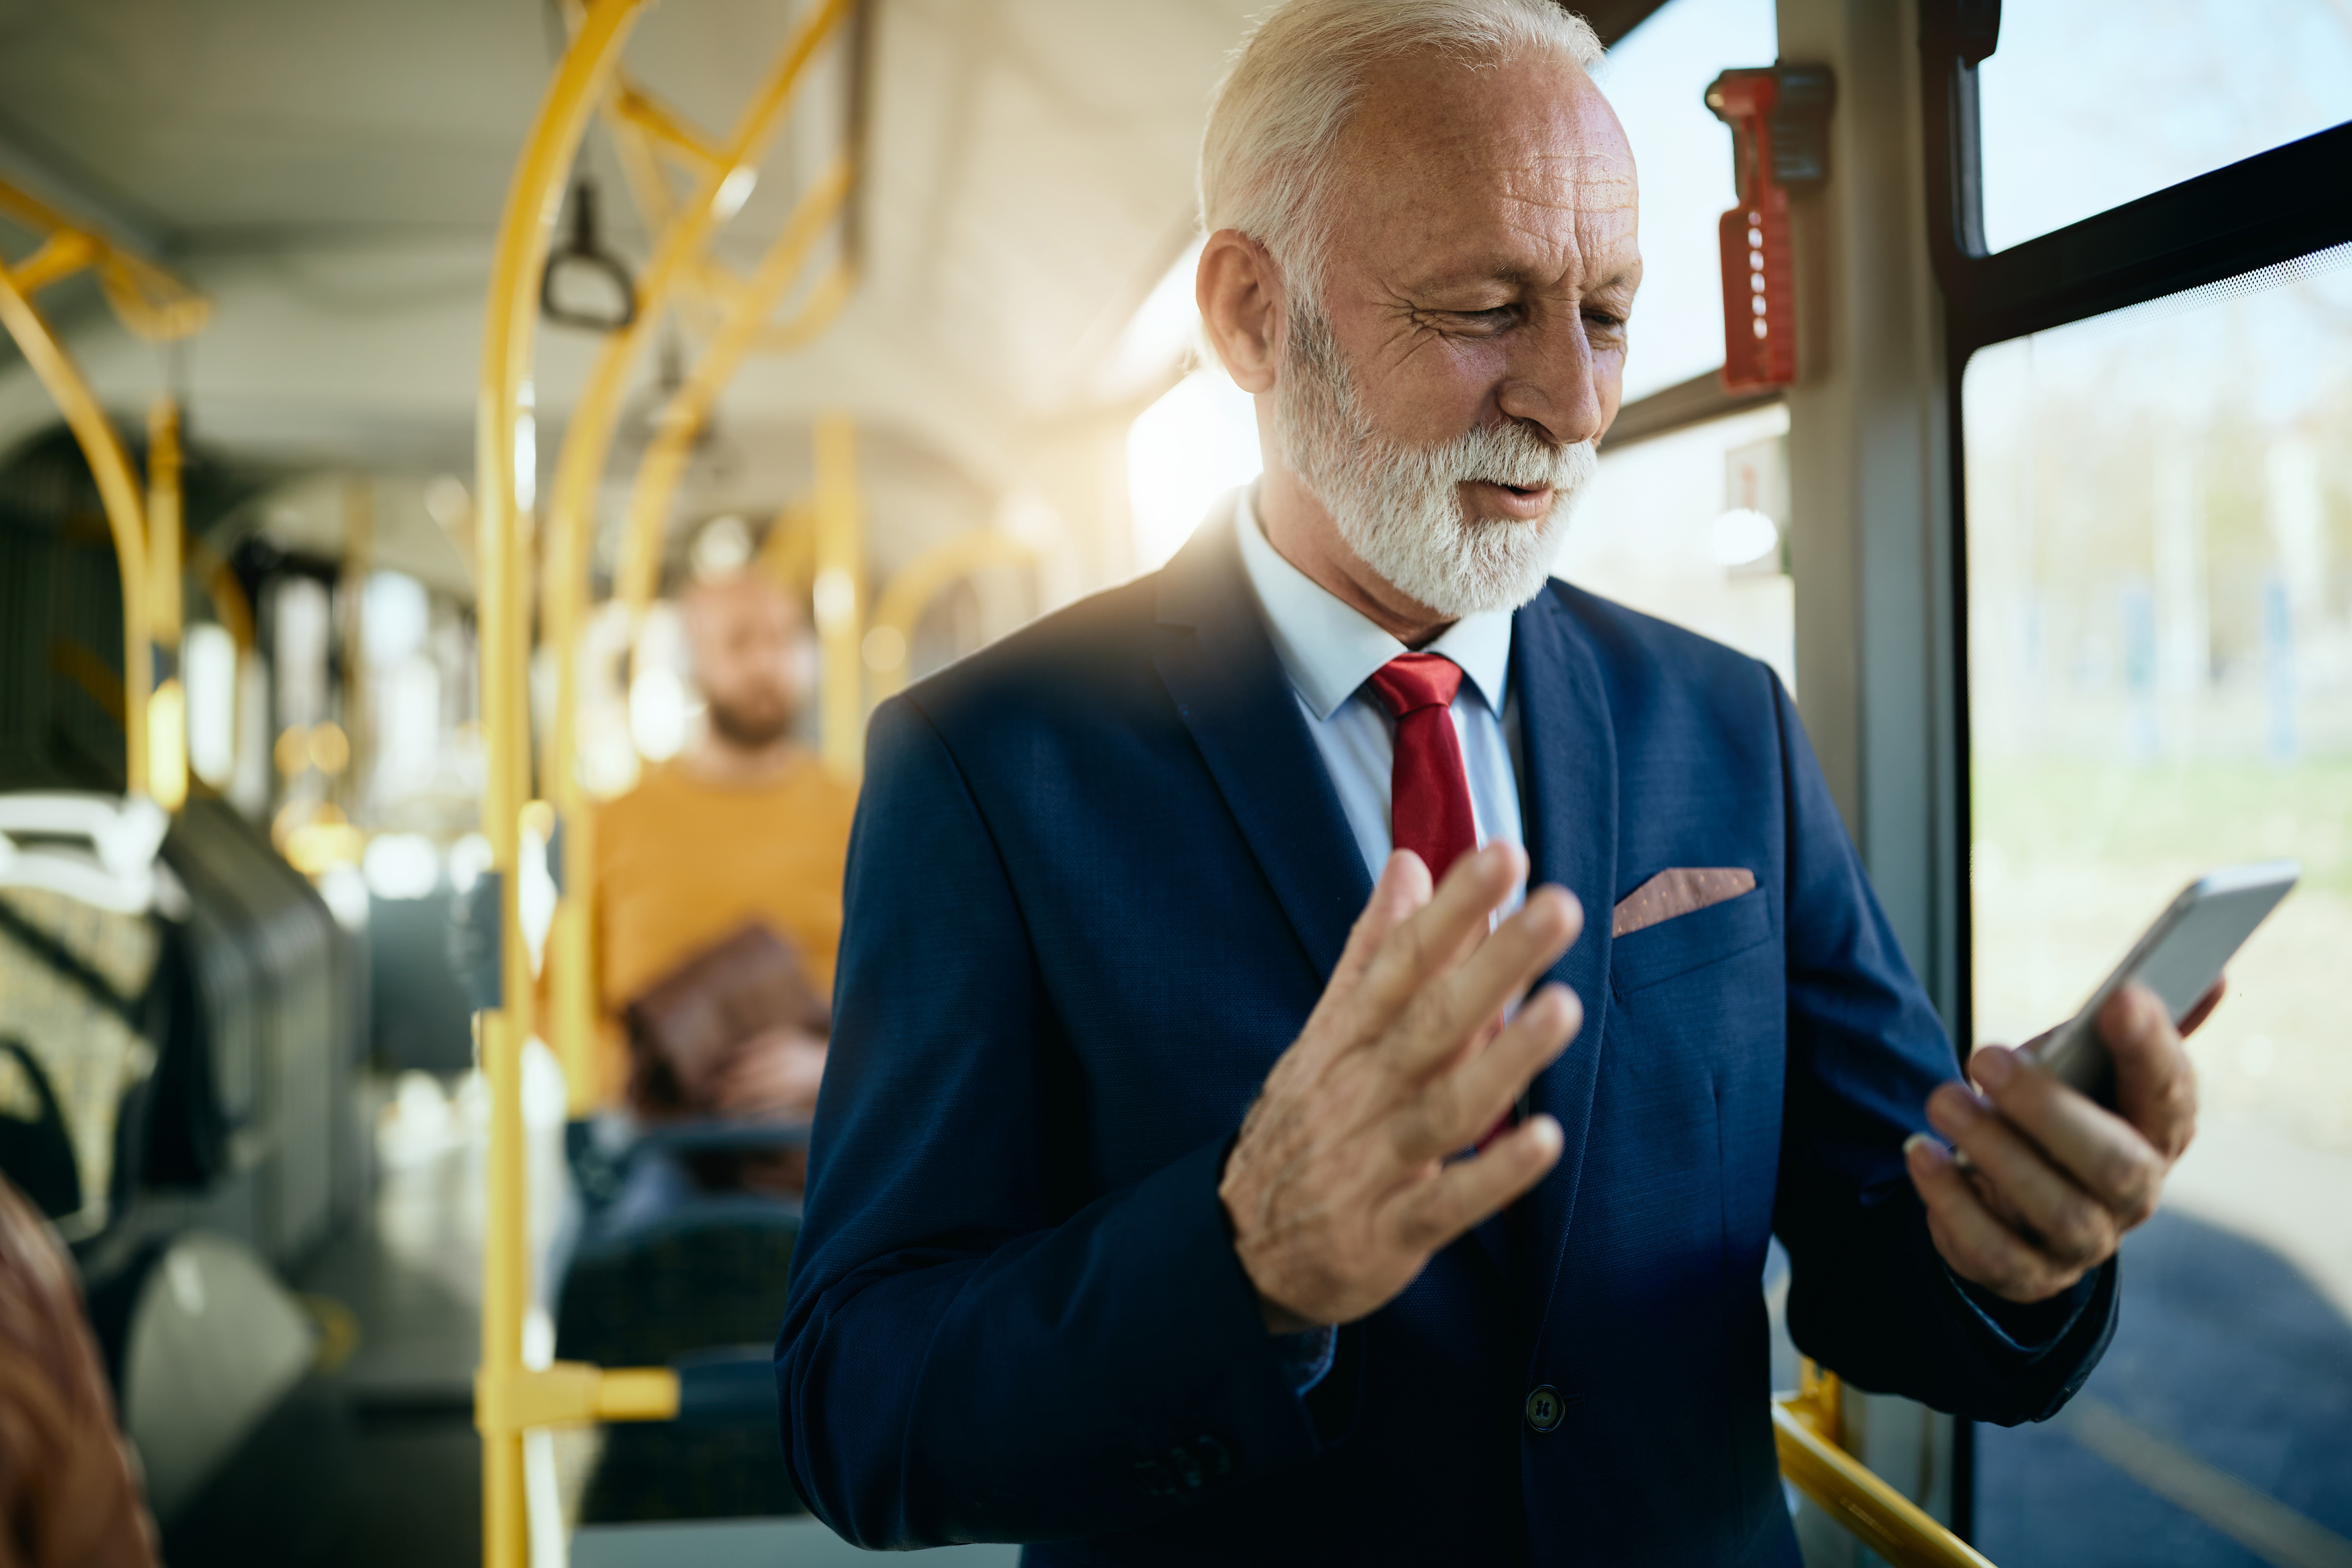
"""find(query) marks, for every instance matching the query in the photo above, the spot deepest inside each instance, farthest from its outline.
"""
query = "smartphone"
(2178, 959)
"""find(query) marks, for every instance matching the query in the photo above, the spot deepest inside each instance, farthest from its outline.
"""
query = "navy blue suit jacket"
(1099, 877)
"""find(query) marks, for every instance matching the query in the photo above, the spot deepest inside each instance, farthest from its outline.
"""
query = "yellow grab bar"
(1804, 1429)
(158, 307)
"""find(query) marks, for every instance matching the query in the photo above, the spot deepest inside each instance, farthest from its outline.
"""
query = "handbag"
(685, 1028)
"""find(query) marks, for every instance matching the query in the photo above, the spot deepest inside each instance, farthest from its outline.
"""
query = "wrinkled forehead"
(1440, 157)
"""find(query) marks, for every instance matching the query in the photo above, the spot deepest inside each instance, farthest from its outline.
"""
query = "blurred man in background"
(736, 842)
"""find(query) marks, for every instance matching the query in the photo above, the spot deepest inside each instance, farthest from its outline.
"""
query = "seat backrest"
(72, 977)
(37, 1153)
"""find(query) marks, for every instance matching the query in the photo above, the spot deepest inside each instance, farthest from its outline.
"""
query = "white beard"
(1399, 507)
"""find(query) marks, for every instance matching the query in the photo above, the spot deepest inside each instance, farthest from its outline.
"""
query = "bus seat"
(202, 1343)
(194, 1016)
(72, 978)
(176, 1092)
(421, 1018)
(661, 1272)
(729, 1385)
(270, 1055)
(37, 1153)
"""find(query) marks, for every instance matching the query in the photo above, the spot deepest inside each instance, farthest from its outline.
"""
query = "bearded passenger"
(718, 882)
(1328, 1031)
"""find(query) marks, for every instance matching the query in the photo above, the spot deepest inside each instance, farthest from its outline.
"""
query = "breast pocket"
(1673, 948)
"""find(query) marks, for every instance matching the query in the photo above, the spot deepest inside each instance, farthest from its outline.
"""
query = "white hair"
(1274, 120)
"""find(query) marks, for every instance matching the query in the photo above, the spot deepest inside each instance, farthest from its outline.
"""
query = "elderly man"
(1160, 1215)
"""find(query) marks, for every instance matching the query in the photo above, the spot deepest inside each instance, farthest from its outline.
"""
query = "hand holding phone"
(2179, 958)
(2038, 1183)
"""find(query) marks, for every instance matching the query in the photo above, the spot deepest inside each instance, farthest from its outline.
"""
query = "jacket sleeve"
(977, 1347)
(1870, 1296)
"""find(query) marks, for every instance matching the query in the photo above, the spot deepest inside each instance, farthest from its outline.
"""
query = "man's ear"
(1239, 289)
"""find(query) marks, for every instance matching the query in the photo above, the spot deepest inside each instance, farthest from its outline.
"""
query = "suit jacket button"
(1545, 1407)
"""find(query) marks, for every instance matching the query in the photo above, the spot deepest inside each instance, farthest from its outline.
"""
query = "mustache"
(1515, 455)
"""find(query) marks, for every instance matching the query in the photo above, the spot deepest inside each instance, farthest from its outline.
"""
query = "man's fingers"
(2204, 1008)
(1977, 1246)
(1340, 1021)
(1431, 1214)
(2156, 1084)
(1458, 1105)
(2101, 1152)
(1432, 939)
(1498, 974)
(1403, 888)
(2067, 1222)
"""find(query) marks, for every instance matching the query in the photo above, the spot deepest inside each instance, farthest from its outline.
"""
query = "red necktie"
(1429, 799)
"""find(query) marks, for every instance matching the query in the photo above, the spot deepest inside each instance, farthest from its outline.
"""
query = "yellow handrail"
(838, 596)
(681, 267)
(156, 306)
(509, 1396)
(167, 704)
(919, 581)
(149, 300)
(1806, 1430)
(682, 419)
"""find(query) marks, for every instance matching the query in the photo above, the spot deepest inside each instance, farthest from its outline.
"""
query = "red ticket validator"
(1779, 117)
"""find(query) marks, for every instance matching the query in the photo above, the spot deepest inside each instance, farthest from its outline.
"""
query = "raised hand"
(2054, 1180)
(1345, 1180)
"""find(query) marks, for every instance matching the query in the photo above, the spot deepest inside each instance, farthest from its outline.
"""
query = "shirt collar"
(1330, 650)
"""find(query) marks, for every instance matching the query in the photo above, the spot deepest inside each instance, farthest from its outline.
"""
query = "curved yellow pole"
(789, 554)
(1805, 1430)
(816, 313)
(919, 581)
(839, 595)
(167, 705)
(149, 300)
(746, 314)
(503, 1393)
(157, 307)
(588, 435)
(231, 608)
(118, 491)
(679, 267)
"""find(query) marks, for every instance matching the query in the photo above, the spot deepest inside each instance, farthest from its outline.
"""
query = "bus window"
(1691, 527)
(2081, 115)
(1685, 518)
(1656, 79)
(2159, 600)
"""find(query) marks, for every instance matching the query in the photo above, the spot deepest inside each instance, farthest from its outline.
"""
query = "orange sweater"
(680, 864)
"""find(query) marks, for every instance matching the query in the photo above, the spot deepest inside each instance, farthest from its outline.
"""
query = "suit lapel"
(1567, 742)
(1233, 694)
(1230, 688)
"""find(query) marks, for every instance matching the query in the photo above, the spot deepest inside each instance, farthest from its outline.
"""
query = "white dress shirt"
(1330, 651)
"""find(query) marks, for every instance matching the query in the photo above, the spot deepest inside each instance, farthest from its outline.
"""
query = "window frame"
(2272, 208)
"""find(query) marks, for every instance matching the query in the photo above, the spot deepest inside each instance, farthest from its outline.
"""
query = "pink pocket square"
(1680, 891)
